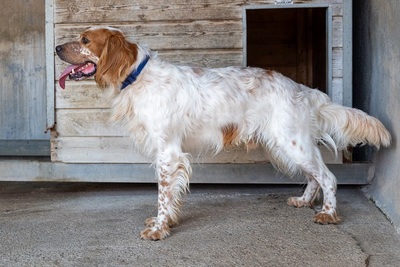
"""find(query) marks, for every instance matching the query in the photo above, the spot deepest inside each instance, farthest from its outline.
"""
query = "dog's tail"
(350, 126)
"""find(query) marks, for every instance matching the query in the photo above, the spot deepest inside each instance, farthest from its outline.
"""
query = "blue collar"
(134, 74)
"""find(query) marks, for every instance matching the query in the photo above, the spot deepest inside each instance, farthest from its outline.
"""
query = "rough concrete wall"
(377, 90)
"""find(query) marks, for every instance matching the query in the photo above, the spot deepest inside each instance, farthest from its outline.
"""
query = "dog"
(174, 112)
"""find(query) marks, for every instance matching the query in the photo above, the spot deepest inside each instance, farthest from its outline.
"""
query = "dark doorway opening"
(292, 41)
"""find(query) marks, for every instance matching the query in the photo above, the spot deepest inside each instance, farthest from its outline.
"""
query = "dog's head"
(100, 51)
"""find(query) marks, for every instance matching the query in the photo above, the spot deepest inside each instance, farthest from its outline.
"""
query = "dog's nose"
(58, 48)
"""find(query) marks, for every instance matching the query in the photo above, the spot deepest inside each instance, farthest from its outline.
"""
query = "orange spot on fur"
(164, 183)
(324, 218)
(269, 72)
(230, 133)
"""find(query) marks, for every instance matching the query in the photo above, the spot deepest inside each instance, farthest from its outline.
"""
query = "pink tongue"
(64, 75)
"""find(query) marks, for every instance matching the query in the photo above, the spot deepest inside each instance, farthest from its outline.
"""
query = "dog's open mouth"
(77, 72)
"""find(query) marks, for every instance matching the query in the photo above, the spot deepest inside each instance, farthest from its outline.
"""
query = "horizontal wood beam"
(45, 171)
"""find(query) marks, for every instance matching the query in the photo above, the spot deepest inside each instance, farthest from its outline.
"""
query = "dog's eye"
(85, 40)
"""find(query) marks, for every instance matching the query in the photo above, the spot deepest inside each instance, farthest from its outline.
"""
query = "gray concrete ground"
(99, 224)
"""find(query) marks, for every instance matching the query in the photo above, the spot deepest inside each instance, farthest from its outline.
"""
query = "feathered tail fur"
(350, 126)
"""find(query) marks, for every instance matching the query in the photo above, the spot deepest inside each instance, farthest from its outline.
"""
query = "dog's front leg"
(307, 199)
(173, 171)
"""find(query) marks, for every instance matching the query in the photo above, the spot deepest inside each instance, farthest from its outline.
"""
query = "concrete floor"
(99, 225)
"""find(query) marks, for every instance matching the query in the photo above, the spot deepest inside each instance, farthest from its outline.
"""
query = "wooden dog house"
(309, 41)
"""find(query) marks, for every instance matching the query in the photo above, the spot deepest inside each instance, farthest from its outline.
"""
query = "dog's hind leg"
(300, 153)
(327, 181)
(173, 171)
(317, 170)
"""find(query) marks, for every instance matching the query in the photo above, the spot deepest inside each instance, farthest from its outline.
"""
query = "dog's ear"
(115, 60)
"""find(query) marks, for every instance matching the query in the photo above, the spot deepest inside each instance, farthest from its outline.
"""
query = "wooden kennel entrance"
(305, 40)
(292, 41)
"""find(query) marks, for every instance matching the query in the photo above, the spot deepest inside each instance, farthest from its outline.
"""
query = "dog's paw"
(325, 218)
(150, 222)
(154, 233)
(298, 202)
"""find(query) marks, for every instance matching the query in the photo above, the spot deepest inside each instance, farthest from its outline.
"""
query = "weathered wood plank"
(308, 2)
(337, 90)
(121, 150)
(337, 62)
(171, 36)
(81, 95)
(200, 58)
(100, 11)
(204, 58)
(337, 32)
(94, 150)
(337, 10)
(144, 11)
(87, 122)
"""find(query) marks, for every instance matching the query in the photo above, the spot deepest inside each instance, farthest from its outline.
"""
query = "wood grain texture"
(121, 150)
(107, 11)
(337, 32)
(171, 35)
(337, 62)
(205, 33)
(196, 57)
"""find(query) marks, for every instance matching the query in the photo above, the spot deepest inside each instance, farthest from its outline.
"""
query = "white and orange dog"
(173, 111)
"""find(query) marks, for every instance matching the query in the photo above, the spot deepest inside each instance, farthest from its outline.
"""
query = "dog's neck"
(135, 73)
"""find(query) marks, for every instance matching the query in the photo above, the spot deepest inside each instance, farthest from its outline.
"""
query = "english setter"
(173, 112)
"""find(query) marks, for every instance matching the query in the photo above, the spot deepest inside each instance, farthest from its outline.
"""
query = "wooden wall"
(203, 33)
